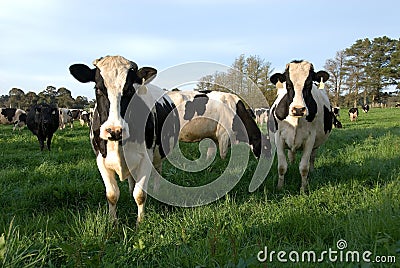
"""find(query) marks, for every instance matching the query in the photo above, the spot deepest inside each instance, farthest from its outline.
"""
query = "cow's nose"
(116, 134)
(299, 111)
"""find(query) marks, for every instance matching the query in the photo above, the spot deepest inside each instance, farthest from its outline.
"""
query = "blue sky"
(40, 39)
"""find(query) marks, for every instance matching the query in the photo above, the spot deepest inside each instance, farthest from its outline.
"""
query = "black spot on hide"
(198, 105)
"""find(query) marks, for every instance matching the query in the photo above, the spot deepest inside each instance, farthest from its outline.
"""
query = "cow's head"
(117, 80)
(298, 101)
(46, 115)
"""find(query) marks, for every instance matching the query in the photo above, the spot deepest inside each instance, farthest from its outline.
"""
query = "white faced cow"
(122, 117)
(65, 117)
(302, 114)
(219, 116)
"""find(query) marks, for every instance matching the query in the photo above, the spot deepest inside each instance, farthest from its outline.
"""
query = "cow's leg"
(112, 189)
(41, 141)
(157, 163)
(131, 183)
(312, 158)
(304, 166)
(139, 192)
(223, 144)
(211, 150)
(282, 164)
(49, 137)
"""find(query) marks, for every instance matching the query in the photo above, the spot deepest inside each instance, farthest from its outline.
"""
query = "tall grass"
(53, 211)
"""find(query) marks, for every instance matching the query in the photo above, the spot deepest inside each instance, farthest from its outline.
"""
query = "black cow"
(365, 108)
(125, 121)
(14, 116)
(43, 120)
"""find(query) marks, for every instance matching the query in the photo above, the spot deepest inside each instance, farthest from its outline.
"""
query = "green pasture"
(53, 210)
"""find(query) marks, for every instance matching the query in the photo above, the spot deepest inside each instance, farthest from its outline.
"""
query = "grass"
(53, 211)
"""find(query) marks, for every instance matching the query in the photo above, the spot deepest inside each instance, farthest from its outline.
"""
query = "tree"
(30, 99)
(335, 68)
(64, 98)
(16, 97)
(357, 58)
(80, 102)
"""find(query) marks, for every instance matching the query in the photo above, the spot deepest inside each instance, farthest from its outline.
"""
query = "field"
(53, 211)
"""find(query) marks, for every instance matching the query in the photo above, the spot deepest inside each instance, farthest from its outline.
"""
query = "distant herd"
(133, 116)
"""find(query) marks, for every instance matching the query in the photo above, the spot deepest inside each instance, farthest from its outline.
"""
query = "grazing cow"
(336, 122)
(302, 115)
(43, 120)
(336, 111)
(65, 117)
(353, 113)
(218, 116)
(14, 116)
(126, 130)
(365, 108)
(397, 105)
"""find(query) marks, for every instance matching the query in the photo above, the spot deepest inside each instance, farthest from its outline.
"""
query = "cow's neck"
(293, 121)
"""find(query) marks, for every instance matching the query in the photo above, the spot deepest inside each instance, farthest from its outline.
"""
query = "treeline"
(61, 97)
(368, 72)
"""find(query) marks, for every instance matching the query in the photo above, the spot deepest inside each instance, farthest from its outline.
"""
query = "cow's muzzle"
(116, 134)
(298, 111)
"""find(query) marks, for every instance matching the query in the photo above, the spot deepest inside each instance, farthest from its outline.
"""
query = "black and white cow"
(336, 111)
(365, 108)
(262, 115)
(14, 116)
(303, 116)
(43, 120)
(84, 118)
(219, 116)
(65, 117)
(353, 114)
(127, 122)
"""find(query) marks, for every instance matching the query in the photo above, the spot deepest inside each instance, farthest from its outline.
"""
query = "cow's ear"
(82, 73)
(277, 77)
(321, 74)
(146, 75)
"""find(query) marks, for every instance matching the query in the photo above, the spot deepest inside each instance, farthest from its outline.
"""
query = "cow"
(336, 111)
(365, 108)
(397, 105)
(16, 117)
(261, 115)
(126, 131)
(217, 116)
(84, 118)
(302, 115)
(353, 114)
(65, 117)
(336, 122)
(43, 120)
(76, 113)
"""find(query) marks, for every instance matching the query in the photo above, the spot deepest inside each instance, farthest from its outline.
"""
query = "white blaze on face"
(114, 70)
(298, 73)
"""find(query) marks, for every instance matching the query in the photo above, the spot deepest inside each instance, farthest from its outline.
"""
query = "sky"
(40, 39)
